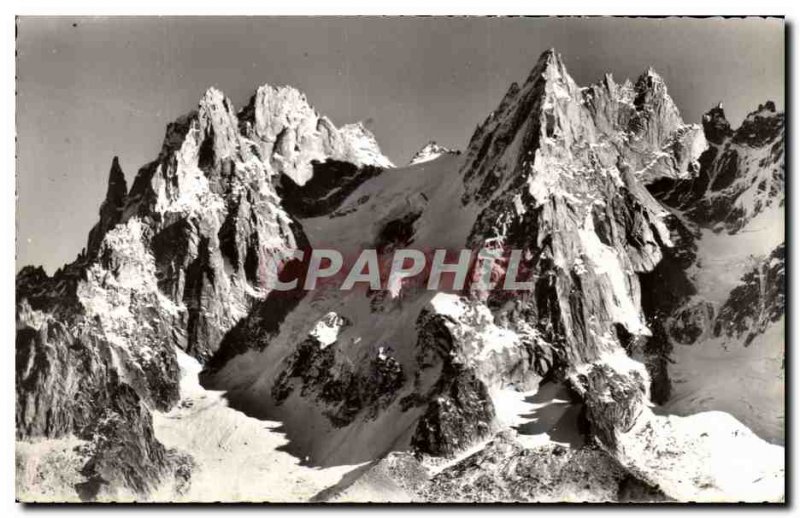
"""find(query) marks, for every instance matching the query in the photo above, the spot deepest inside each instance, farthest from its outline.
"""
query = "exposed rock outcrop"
(332, 183)
(552, 170)
(111, 208)
(507, 472)
(503, 471)
(741, 175)
(94, 363)
(289, 134)
(758, 301)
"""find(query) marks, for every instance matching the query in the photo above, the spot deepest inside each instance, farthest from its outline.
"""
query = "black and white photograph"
(400, 260)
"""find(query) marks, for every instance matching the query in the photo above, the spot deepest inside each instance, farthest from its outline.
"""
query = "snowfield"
(238, 458)
(721, 373)
(705, 457)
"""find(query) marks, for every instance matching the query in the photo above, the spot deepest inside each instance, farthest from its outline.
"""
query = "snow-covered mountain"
(655, 252)
(430, 151)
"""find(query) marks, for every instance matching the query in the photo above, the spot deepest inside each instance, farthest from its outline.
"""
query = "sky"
(92, 88)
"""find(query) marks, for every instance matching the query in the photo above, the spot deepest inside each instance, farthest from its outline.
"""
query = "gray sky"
(92, 88)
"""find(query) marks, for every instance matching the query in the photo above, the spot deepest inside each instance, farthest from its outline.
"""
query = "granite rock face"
(596, 125)
(759, 300)
(503, 471)
(290, 134)
(110, 209)
(93, 363)
(557, 172)
(614, 400)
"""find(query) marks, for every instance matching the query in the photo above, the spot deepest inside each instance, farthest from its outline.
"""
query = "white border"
(407, 7)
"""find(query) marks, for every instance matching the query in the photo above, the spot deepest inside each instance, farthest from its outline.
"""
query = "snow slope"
(723, 373)
(705, 457)
(433, 185)
(722, 258)
(237, 458)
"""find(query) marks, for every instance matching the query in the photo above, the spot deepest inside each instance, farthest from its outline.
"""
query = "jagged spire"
(650, 83)
(651, 72)
(117, 186)
(549, 65)
(111, 209)
(550, 56)
(651, 97)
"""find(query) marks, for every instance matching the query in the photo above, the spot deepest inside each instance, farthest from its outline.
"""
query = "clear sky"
(92, 88)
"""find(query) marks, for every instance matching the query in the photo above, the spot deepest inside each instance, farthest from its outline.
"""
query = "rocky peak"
(715, 126)
(117, 187)
(273, 108)
(291, 134)
(651, 82)
(111, 208)
(361, 146)
(741, 175)
(549, 65)
(766, 109)
(551, 117)
(173, 263)
(430, 151)
(208, 208)
(657, 116)
(760, 126)
(551, 69)
(531, 112)
(569, 162)
(218, 127)
(564, 160)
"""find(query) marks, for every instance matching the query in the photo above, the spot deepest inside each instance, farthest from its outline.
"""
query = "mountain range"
(646, 365)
